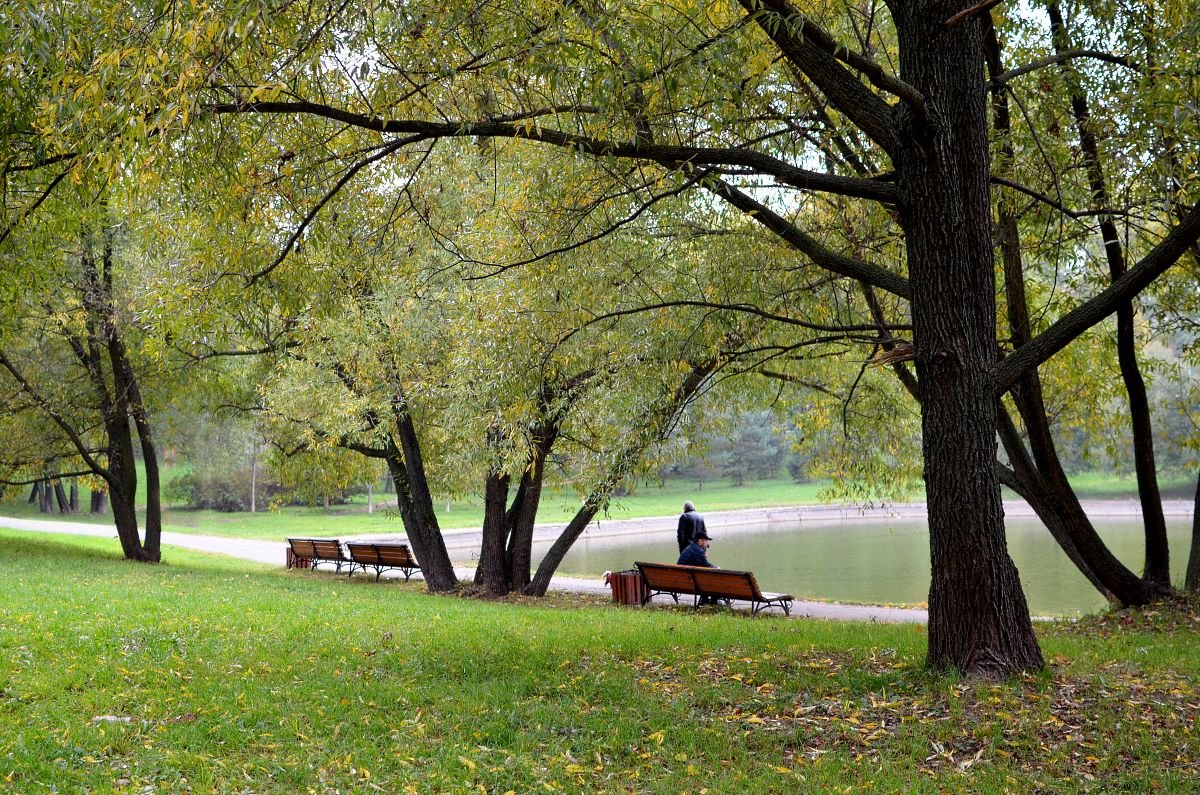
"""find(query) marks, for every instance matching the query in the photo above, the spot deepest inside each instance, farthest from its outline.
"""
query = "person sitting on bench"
(696, 554)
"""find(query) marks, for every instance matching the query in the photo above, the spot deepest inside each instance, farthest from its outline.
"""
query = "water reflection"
(880, 561)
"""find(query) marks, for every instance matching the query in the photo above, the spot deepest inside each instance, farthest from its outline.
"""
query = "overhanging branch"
(1070, 326)
(780, 170)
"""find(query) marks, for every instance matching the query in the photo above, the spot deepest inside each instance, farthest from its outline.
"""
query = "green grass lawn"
(646, 500)
(210, 675)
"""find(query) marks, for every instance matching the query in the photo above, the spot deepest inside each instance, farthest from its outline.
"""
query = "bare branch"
(967, 13)
(1071, 325)
(383, 152)
(782, 171)
(1062, 57)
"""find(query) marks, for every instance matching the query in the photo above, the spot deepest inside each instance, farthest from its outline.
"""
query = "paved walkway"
(273, 553)
(461, 542)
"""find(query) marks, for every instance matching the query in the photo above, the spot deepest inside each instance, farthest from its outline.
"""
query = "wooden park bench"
(699, 582)
(309, 552)
(382, 557)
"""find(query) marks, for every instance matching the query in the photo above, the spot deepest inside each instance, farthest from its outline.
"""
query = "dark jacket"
(689, 523)
(694, 555)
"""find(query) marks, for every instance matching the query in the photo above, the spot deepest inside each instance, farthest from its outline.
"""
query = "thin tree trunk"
(99, 502)
(35, 493)
(1026, 482)
(421, 522)
(1192, 581)
(562, 545)
(60, 496)
(74, 495)
(1043, 482)
(254, 476)
(1157, 570)
(657, 424)
(45, 498)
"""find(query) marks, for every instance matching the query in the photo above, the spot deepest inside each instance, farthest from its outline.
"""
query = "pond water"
(880, 561)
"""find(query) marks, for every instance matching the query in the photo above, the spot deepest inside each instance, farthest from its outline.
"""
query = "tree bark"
(1192, 580)
(1026, 482)
(978, 618)
(562, 545)
(60, 496)
(45, 498)
(523, 514)
(99, 502)
(407, 470)
(492, 572)
(118, 407)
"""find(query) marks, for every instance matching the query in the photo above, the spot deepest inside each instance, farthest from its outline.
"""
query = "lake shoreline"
(468, 538)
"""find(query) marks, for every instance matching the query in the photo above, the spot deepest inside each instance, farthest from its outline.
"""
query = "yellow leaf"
(470, 765)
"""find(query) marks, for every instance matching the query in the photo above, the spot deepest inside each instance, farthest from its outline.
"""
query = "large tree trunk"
(98, 502)
(1157, 570)
(978, 618)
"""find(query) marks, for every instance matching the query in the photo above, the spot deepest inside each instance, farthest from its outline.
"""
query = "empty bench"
(382, 557)
(310, 552)
(699, 581)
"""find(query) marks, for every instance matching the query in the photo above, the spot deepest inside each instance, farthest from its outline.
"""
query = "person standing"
(690, 523)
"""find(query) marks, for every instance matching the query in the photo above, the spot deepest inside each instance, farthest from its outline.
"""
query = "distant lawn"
(646, 500)
(213, 675)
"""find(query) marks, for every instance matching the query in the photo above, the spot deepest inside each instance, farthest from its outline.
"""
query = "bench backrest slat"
(396, 555)
(728, 584)
(327, 548)
(665, 577)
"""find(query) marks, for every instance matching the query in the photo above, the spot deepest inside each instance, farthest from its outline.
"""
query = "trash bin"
(627, 587)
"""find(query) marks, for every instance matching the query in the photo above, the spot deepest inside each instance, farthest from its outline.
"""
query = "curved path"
(462, 541)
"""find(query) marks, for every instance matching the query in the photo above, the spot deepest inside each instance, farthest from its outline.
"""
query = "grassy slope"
(219, 675)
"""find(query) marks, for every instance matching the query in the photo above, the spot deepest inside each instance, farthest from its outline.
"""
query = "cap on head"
(687, 506)
(699, 534)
